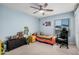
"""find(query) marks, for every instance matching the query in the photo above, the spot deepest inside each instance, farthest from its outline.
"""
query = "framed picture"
(47, 23)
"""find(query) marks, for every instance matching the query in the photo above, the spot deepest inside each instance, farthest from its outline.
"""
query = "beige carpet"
(38, 48)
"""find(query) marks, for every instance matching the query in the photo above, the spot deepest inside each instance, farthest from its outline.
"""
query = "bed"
(46, 39)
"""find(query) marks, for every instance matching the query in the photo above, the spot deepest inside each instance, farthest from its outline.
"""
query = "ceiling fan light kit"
(41, 11)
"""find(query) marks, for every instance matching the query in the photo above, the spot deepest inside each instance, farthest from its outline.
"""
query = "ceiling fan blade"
(35, 12)
(38, 5)
(34, 7)
(45, 5)
(48, 9)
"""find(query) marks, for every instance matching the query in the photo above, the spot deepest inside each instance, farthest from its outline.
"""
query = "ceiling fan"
(41, 8)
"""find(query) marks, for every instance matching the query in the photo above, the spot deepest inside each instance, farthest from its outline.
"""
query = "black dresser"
(14, 43)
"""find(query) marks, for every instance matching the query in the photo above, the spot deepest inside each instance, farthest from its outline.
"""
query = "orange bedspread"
(46, 39)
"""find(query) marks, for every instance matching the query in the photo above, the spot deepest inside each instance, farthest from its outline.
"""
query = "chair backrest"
(64, 34)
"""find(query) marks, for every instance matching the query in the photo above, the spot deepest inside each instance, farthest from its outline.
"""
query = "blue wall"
(50, 30)
(12, 21)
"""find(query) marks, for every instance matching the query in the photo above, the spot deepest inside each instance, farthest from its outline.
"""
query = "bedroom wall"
(12, 21)
(50, 29)
(77, 26)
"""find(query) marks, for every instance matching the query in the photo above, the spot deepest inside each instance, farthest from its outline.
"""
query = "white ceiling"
(57, 7)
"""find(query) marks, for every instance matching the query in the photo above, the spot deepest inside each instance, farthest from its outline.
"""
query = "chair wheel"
(60, 46)
(67, 47)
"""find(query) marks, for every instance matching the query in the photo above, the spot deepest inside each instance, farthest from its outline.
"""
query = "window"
(61, 23)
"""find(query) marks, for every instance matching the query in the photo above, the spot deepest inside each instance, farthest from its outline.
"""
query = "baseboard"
(72, 43)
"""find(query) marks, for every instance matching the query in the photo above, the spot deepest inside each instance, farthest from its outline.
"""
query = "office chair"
(62, 38)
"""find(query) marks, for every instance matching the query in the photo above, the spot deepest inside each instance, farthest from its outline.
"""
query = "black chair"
(62, 38)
